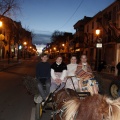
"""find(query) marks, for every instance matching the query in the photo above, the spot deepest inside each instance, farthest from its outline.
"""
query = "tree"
(9, 7)
(57, 36)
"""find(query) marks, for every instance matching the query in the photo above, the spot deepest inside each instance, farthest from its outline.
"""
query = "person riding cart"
(58, 74)
(87, 82)
(43, 76)
(71, 68)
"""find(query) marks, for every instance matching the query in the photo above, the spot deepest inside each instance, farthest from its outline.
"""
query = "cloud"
(41, 38)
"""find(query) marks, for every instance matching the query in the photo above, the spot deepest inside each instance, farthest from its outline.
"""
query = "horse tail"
(71, 108)
(114, 108)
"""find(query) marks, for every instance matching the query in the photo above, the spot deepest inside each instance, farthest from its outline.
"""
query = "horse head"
(94, 107)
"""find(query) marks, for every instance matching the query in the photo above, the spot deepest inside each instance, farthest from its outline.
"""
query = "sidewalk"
(106, 75)
(4, 63)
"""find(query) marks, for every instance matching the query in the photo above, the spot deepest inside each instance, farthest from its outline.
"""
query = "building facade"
(108, 22)
(12, 36)
(78, 41)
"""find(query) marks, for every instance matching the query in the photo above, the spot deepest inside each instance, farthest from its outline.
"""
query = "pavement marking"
(32, 114)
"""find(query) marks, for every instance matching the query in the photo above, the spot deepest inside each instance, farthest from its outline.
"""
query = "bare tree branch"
(8, 7)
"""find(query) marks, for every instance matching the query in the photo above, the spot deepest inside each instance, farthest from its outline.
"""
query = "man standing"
(118, 68)
(43, 76)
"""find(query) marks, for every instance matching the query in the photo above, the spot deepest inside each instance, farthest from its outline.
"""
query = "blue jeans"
(44, 92)
(54, 86)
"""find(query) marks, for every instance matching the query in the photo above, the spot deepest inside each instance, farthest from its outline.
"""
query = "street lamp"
(1, 23)
(54, 48)
(24, 43)
(97, 32)
(63, 45)
(1, 44)
(98, 46)
(1, 38)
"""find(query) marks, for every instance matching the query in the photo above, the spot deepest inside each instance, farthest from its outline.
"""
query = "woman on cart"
(58, 74)
(87, 82)
(72, 81)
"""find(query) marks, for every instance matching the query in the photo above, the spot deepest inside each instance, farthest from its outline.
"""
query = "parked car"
(115, 88)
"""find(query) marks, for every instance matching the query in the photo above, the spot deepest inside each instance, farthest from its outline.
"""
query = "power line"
(72, 14)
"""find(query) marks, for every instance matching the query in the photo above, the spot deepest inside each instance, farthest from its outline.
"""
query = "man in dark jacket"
(43, 76)
(118, 68)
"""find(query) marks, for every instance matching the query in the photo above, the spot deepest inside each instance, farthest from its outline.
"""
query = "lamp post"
(98, 46)
(1, 44)
(54, 48)
(63, 45)
(24, 43)
(1, 38)
(54, 51)
(1, 23)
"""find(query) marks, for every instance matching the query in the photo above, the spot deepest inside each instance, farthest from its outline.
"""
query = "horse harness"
(61, 111)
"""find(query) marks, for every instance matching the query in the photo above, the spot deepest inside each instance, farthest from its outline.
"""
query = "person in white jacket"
(71, 69)
(58, 74)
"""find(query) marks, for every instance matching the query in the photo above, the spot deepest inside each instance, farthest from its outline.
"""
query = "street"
(15, 102)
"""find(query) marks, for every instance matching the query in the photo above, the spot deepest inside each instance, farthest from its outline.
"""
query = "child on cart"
(87, 82)
(72, 81)
(58, 74)
(43, 76)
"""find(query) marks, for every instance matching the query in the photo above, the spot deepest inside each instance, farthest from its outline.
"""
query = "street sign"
(99, 45)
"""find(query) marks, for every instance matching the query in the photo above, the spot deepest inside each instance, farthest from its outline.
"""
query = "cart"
(42, 107)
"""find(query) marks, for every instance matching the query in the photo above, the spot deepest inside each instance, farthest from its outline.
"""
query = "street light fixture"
(98, 46)
(63, 45)
(97, 32)
(1, 23)
(1, 38)
(99, 40)
(25, 43)
(54, 48)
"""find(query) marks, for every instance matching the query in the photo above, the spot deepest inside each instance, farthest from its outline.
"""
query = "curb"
(9, 66)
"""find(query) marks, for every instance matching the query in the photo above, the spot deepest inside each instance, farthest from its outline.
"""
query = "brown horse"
(95, 107)
(69, 106)
(59, 99)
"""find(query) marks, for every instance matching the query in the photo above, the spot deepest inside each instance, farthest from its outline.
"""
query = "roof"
(82, 21)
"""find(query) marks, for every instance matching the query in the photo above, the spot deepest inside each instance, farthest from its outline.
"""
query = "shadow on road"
(19, 74)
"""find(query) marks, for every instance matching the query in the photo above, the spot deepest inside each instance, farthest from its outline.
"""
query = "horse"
(96, 107)
(69, 106)
(59, 99)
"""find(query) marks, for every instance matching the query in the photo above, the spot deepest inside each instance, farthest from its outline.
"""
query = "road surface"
(15, 103)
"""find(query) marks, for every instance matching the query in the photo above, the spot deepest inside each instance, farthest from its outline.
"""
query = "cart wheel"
(114, 90)
(39, 111)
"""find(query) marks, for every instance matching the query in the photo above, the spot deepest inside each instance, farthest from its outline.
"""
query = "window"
(118, 20)
(92, 36)
(87, 28)
(110, 15)
(114, 14)
(109, 35)
(92, 25)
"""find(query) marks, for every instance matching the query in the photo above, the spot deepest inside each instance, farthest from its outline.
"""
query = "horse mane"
(114, 108)
(71, 108)
(105, 106)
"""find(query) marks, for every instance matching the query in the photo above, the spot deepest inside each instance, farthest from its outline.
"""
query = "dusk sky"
(43, 17)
